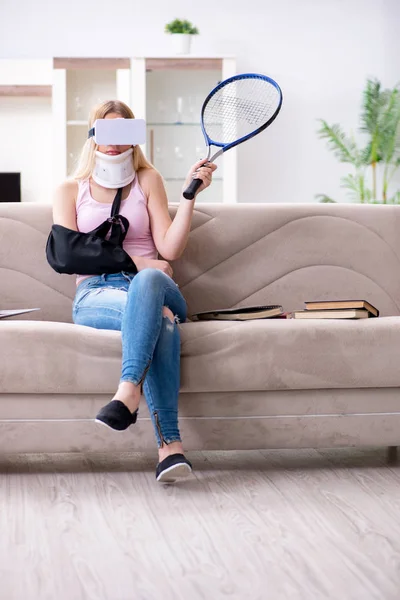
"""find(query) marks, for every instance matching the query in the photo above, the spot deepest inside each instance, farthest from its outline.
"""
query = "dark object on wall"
(10, 187)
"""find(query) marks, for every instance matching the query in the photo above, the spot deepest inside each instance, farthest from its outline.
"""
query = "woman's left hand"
(201, 170)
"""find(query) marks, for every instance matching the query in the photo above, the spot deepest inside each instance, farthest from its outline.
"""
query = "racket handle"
(192, 188)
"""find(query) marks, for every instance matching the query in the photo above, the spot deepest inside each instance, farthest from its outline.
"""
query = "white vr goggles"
(118, 132)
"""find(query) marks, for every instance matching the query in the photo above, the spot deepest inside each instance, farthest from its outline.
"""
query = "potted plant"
(181, 33)
(380, 122)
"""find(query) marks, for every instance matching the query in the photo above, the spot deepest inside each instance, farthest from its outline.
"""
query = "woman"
(145, 307)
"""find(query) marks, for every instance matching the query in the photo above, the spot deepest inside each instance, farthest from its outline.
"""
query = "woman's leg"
(161, 387)
(150, 291)
(151, 353)
(100, 303)
(106, 304)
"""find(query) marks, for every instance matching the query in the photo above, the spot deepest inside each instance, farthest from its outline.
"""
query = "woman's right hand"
(151, 263)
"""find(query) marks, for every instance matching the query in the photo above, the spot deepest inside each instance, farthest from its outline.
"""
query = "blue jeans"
(133, 304)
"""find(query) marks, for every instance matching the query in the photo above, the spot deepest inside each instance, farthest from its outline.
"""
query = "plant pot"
(181, 42)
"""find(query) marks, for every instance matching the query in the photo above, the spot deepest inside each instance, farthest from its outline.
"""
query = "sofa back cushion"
(26, 279)
(287, 254)
(237, 255)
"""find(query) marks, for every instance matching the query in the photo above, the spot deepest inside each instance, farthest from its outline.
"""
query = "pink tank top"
(90, 213)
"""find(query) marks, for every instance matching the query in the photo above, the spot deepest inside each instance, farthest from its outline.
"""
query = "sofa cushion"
(237, 254)
(46, 357)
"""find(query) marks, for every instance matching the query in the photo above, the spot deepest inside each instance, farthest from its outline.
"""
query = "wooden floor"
(270, 525)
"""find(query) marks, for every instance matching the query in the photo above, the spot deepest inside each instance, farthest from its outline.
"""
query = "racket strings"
(239, 108)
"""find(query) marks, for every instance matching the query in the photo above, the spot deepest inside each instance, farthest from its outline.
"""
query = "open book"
(12, 313)
(239, 314)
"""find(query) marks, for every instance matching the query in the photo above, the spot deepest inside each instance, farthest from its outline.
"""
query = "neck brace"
(114, 171)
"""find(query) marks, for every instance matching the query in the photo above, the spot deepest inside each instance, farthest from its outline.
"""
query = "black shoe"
(116, 415)
(175, 466)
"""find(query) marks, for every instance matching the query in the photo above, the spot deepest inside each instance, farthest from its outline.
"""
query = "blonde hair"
(87, 157)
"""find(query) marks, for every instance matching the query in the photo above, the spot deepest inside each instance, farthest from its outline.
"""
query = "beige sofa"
(261, 384)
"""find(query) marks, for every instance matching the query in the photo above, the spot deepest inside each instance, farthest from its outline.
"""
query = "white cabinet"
(166, 91)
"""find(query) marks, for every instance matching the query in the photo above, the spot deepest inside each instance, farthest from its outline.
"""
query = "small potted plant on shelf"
(181, 33)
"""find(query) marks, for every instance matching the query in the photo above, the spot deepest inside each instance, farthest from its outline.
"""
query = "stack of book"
(337, 309)
(327, 309)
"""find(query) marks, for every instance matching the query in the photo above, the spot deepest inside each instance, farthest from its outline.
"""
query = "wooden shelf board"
(26, 90)
(91, 63)
(152, 63)
(162, 64)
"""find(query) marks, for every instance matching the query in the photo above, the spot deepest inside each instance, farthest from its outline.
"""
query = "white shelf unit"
(167, 91)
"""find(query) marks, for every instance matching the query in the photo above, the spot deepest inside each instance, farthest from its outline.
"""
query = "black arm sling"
(93, 253)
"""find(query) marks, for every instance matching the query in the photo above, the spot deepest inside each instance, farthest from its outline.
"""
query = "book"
(245, 313)
(348, 313)
(12, 313)
(336, 304)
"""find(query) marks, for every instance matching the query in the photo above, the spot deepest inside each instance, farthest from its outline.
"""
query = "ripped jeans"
(133, 304)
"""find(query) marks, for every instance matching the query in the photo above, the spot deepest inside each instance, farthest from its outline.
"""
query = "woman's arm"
(64, 205)
(170, 237)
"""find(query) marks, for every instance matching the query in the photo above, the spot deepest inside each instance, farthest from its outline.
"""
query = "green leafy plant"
(178, 26)
(380, 121)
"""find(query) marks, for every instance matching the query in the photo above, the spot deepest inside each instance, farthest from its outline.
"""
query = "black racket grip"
(192, 188)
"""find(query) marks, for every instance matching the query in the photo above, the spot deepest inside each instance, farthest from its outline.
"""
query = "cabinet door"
(85, 89)
(80, 84)
(172, 92)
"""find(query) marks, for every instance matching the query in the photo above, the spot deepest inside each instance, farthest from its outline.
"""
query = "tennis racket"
(235, 111)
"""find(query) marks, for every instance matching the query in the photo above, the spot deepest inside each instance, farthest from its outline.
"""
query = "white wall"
(320, 51)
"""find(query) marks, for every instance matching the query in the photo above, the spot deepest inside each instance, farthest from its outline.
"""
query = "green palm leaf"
(389, 127)
(325, 199)
(355, 184)
(373, 100)
(380, 119)
(343, 147)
